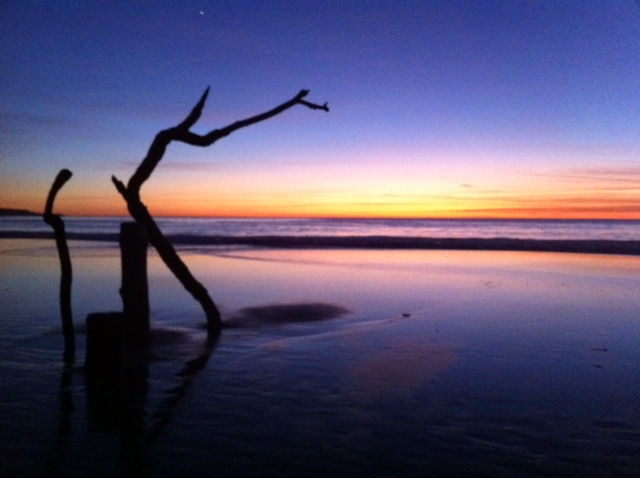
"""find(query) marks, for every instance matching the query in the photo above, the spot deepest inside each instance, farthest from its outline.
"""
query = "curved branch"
(131, 192)
(66, 277)
(181, 133)
(160, 143)
(170, 257)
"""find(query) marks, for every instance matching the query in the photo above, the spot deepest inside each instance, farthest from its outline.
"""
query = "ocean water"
(421, 228)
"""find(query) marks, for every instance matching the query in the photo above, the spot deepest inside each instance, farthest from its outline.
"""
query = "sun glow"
(347, 190)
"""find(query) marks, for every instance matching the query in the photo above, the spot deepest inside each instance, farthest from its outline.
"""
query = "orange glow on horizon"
(346, 211)
(549, 208)
(348, 194)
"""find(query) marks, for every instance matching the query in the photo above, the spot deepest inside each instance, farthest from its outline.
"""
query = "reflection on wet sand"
(502, 364)
(161, 418)
(63, 433)
(403, 364)
(116, 398)
(384, 356)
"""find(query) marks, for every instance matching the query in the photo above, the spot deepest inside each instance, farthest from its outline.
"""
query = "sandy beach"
(332, 362)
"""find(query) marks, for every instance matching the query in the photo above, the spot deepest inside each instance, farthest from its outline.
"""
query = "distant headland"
(17, 212)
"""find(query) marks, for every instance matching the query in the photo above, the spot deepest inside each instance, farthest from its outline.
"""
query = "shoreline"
(583, 246)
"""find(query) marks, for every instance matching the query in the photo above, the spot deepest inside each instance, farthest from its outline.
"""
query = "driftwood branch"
(170, 257)
(131, 192)
(66, 278)
(181, 133)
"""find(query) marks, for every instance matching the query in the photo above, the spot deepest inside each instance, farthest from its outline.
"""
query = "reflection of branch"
(131, 192)
(57, 224)
(65, 402)
(161, 418)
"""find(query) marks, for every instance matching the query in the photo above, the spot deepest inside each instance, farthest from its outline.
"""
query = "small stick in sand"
(57, 224)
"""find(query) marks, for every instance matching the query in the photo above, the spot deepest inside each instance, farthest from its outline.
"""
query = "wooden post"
(135, 289)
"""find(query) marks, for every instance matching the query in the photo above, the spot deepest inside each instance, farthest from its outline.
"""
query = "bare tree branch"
(170, 257)
(131, 193)
(181, 133)
(66, 276)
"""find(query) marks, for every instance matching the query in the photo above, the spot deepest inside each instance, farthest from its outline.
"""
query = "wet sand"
(334, 362)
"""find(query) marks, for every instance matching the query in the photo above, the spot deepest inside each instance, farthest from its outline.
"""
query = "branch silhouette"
(170, 257)
(66, 276)
(181, 133)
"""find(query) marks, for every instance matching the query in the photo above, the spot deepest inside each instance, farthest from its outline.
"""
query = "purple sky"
(516, 108)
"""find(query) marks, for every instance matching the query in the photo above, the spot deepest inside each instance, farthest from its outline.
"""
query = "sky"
(463, 109)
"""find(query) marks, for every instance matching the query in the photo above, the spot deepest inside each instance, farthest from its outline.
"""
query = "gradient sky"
(438, 108)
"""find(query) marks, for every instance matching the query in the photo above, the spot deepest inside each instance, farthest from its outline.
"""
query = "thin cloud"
(627, 174)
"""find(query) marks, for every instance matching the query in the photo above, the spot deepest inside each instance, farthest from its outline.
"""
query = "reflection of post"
(104, 354)
(116, 379)
(135, 290)
(66, 278)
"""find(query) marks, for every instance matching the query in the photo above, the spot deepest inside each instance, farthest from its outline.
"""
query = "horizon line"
(330, 217)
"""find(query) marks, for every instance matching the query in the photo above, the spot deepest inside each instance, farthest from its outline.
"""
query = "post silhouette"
(135, 289)
(131, 192)
(66, 276)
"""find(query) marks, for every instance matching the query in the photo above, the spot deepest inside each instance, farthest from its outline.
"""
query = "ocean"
(192, 229)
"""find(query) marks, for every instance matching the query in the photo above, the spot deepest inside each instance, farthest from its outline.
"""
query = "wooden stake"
(66, 276)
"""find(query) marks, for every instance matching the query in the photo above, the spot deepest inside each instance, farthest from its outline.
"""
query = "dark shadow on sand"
(280, 314)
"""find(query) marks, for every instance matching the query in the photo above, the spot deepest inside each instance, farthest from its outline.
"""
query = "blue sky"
(510, 109)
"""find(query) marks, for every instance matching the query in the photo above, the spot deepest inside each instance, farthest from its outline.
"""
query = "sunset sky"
(525, 109)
